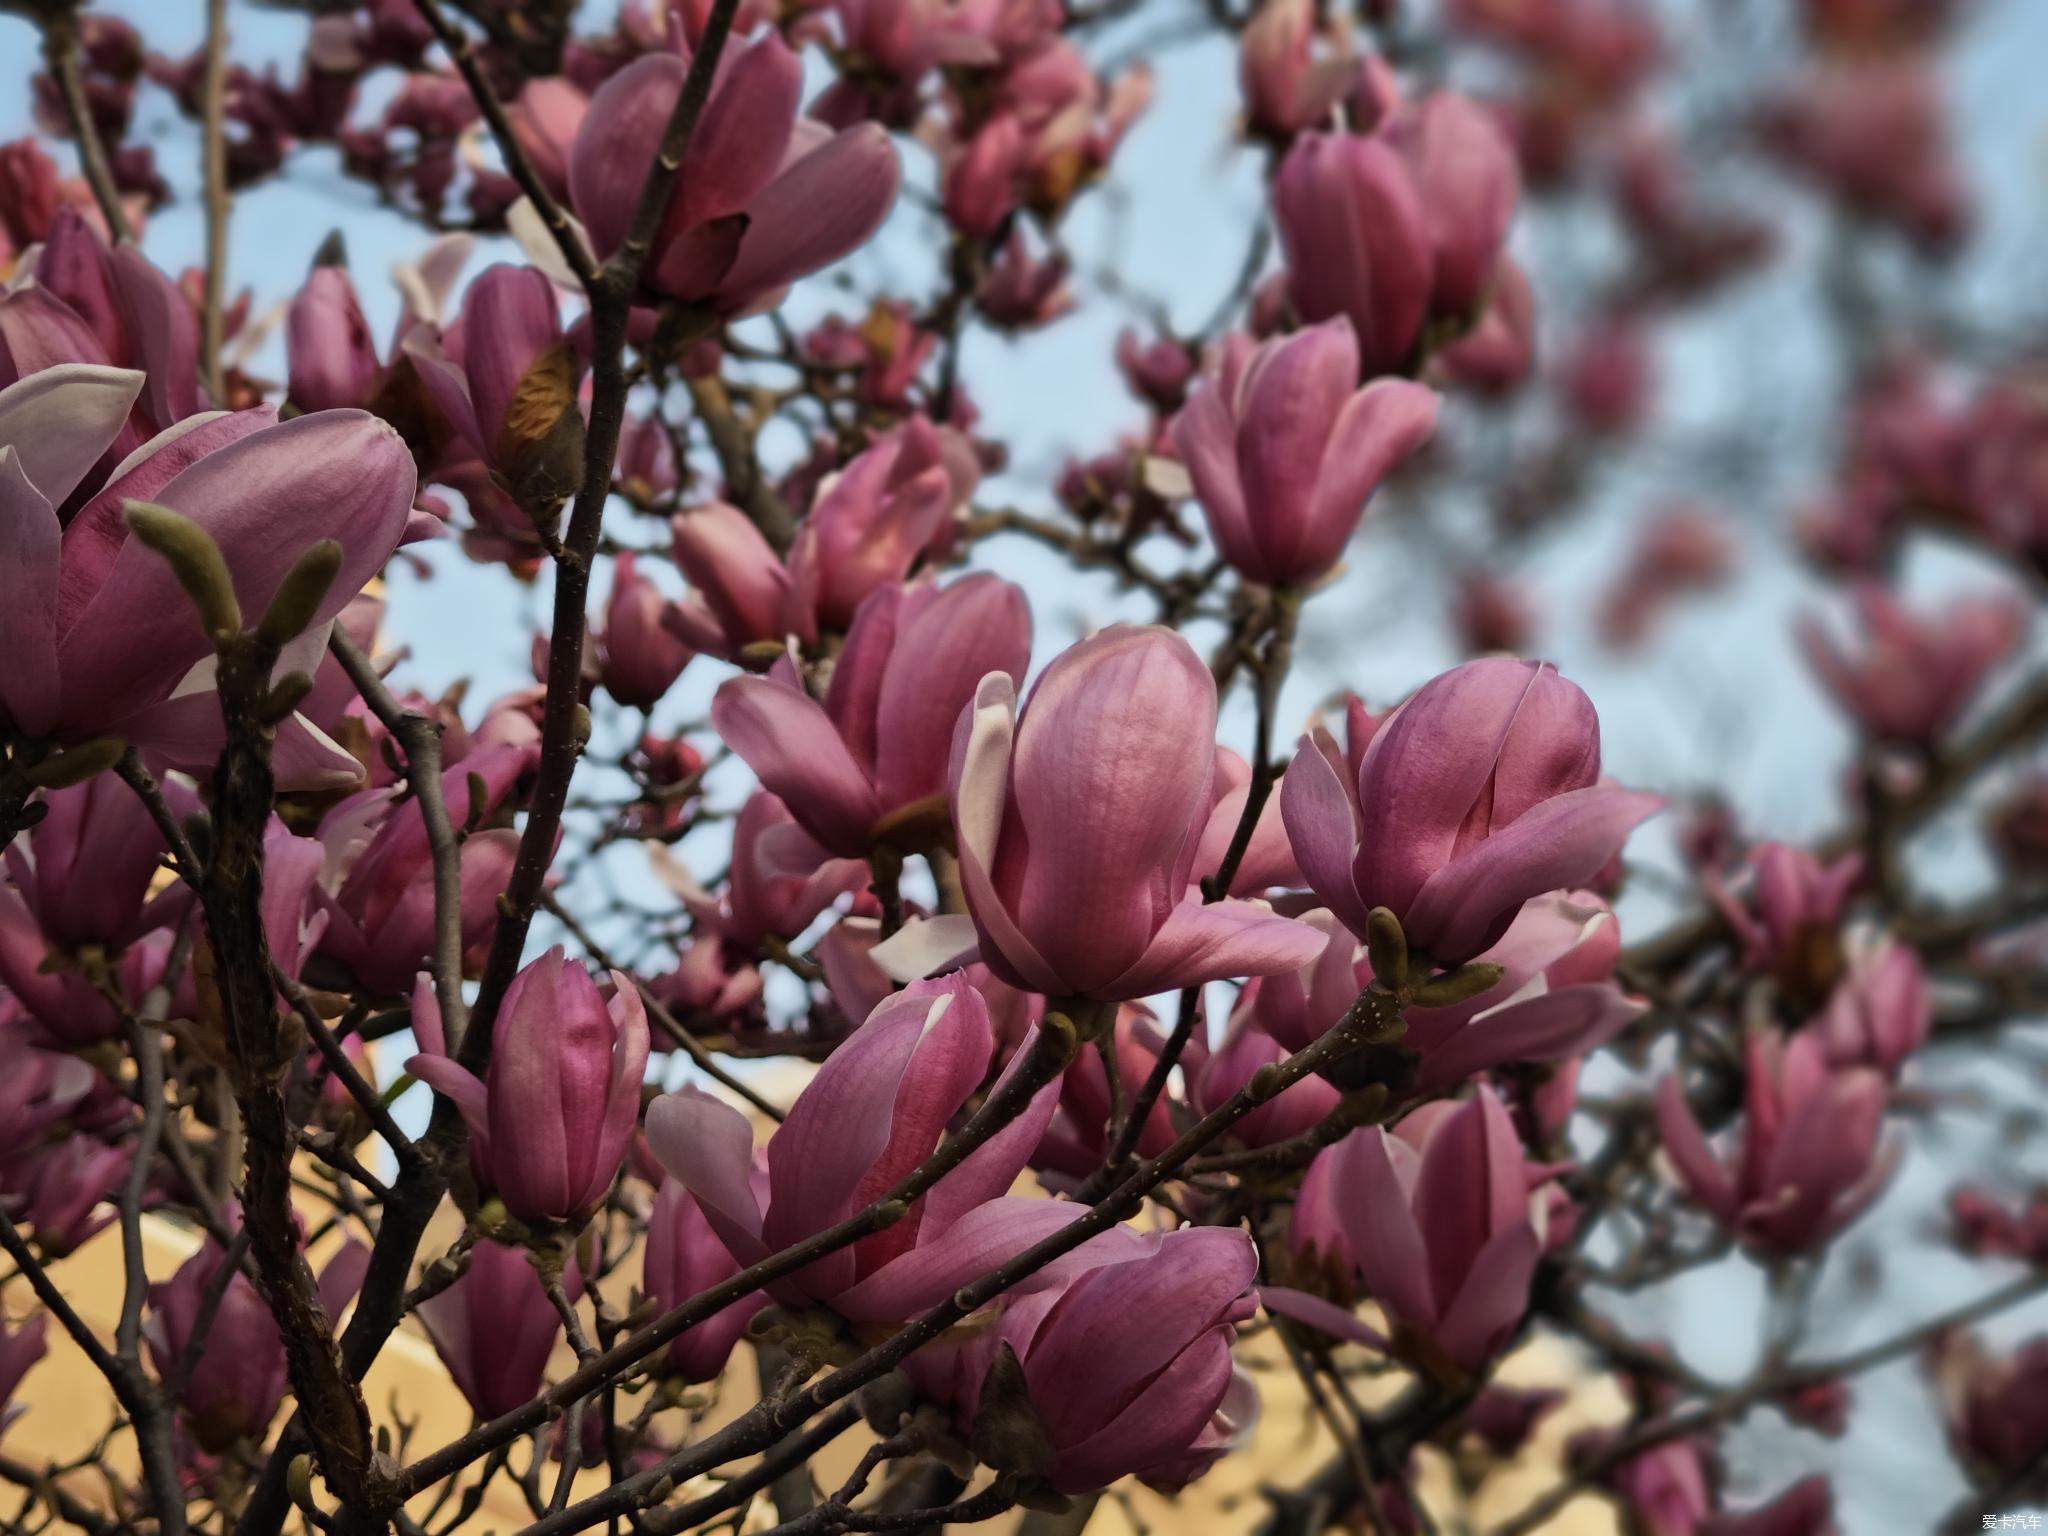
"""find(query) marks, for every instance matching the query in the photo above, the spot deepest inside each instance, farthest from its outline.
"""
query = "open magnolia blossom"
(922, 790)
(116, 648)
(1107, 767)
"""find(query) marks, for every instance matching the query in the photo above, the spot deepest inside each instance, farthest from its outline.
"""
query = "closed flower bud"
(684, 1257)
(1881, 1011)
(549, 1124)
(331, 358)
(494, 1328)
(640, 657)
(1357, 242)
(239, 1377)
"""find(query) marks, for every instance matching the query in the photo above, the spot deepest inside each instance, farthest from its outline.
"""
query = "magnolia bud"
(286, 696)
(299, 595)
(195, 560)
(86, 760)
(1387, 947)
(1458, 986)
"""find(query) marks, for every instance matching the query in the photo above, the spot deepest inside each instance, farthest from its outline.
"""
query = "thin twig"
(60, 51)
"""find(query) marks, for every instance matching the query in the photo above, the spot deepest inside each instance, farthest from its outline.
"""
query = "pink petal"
(60, 422)
(708, 1147)
(788, 740)
(1322, 820)
(820, 208)
(1201, 943)
(1687, 1148)
(1466, 905)
(1323, 1316)
(30, 544)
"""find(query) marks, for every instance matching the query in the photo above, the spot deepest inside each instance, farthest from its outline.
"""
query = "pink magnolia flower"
(865, 531)
(1495, 356)
(20, 1348)
(1078, 825)
(1494, 613)
(778, 882)
(1915, 676)
(125, 652)
(377, 887)
(504, 379)
(876, 749)
(1996, 1405)
(979, 188)
(333, 362)
(646, 472)
(46, 1094)
(1357, 241)
(764, 197)
(548, 1125)
(31, 192)
(84, 870)
(1874, 133)
(1443, 1220)
(684, 1257)
(1286, 86)
(1555, 997)
(494, 1328)
(1464, 167)
(708, 984)
(1478, 793)
(332, 358)
(1793, 909)
(62, 1193)
(873, 1112)
(1285, 450)
(1608, 377)
(739, 587)
(56, 992)
(1881, 1012)
(1157, 371)
(545, 120)
(1665, 1489)
(640, 657)
(1124, 1349)
(92, 305)
(238, 1380)
(1077, 1139)
(1020, 290)
(1809, 1158)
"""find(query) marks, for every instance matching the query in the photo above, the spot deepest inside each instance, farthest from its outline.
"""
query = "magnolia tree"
(1160, 1022)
